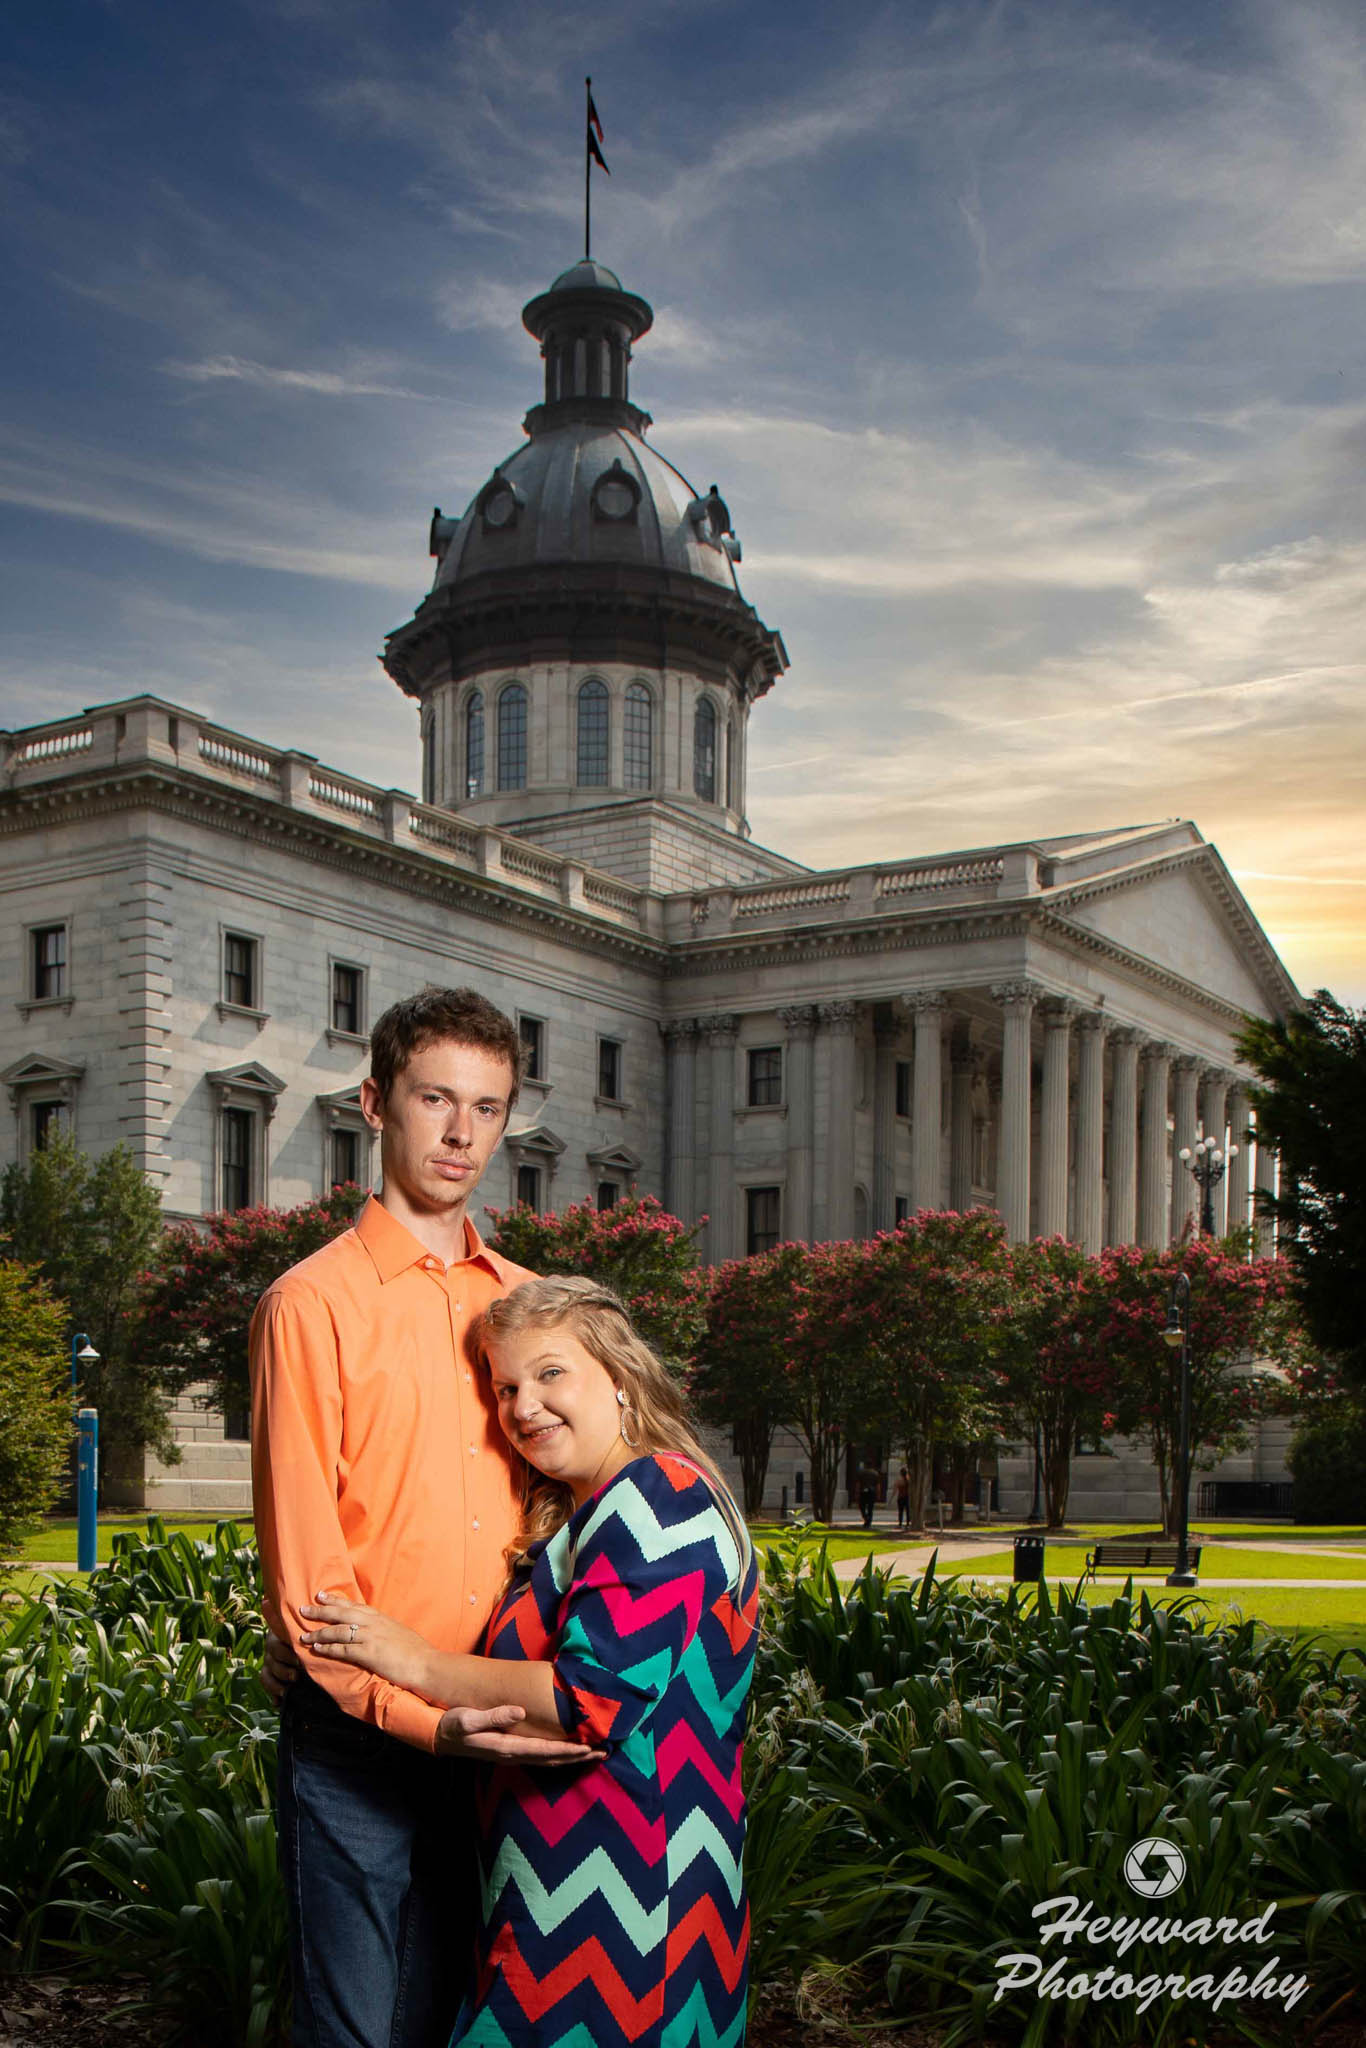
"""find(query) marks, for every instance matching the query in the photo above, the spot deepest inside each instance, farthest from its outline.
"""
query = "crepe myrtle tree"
(1056, 1368)
(1242, 1320)
(739, 1379)
(199, 1294)
(636, 1248)
(921, 1315)
(832, 1395)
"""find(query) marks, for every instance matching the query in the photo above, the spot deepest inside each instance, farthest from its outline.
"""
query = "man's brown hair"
(418, 1021)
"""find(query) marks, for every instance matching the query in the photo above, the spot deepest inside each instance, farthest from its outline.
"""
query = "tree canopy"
(90, 1227)
(35, 1399)
(203, 1286)
(1312, 1107)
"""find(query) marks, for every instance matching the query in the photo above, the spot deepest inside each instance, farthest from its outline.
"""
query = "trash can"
(1028, 1558)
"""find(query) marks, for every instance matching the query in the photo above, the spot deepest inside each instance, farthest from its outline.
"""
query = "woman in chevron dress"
(614, 1913)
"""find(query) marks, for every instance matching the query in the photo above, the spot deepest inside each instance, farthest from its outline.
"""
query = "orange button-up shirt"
(379, 1471)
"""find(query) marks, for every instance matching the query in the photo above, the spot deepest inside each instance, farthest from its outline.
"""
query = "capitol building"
(201, 927)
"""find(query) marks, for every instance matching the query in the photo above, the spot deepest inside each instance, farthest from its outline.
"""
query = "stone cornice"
(247, 814)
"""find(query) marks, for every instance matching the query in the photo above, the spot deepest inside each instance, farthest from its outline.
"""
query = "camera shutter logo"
(1154, 1868)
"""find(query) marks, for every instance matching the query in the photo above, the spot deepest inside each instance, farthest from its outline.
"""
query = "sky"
(1027, 344)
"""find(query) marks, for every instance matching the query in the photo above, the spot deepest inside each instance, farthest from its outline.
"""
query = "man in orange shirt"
(379, 1473)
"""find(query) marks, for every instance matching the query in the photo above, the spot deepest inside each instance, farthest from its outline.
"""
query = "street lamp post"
(1177, 1335)
(1036, 1505)
(1207, 1164)
(87, 1421)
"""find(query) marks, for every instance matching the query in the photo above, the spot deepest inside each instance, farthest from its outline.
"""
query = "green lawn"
(1217, 1561)
(841, 1543)
(55, 1542)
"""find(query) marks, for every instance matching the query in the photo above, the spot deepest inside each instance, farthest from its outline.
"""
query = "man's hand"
(281, 1667)
(486, 1732)
(352, 1633)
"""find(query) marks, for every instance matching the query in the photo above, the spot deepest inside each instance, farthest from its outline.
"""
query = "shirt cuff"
(412, 1720)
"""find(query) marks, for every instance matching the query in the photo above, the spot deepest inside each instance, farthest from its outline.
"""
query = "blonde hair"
(654, 1413)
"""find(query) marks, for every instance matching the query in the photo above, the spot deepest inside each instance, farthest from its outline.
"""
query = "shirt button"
(474, 1525)
(468, 1380)
(430, 1264)
(474, 1450)
(474, 1600)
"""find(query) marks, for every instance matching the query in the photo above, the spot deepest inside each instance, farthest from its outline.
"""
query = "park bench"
(1137, 1556)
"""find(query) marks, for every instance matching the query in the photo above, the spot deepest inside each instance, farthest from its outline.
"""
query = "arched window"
(593, 736)
(512, 737)
(730, 764)
(474, 744)
(639, 736)
(704, 750)
(428, 759)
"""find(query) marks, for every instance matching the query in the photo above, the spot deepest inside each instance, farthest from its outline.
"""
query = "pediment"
(342, 1099)
(250, 1078)
(616, 1159)
(39, 1070)
(535, 1141)
(1187, 916)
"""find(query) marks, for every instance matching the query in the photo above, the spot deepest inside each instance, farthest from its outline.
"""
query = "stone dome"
(588, 492)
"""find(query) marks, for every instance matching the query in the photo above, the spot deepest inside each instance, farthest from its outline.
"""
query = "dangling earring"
(632, 1443)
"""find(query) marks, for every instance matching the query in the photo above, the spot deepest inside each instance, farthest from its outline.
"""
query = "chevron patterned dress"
(614, 1912)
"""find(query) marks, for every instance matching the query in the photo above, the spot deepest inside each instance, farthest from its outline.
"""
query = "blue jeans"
(377, 1855)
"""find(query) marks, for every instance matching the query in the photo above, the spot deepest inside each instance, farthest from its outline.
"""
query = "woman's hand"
(352, 1633)
(281, 1667)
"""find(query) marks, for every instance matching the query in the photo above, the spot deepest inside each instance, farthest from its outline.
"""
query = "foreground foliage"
(928, 1765)
(925, 1766)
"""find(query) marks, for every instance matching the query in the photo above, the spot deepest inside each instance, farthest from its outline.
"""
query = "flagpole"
(587, 173)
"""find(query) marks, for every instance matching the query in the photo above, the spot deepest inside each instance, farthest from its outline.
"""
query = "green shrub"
(35, 1401)
(136, 1747)
(929, 1764)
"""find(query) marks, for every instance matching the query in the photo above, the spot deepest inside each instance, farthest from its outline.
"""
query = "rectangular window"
(529, 1186)
(609, 1069)
(607, 1194)
(903, 1087)
(347, 1006)
(346, 1158)
(47, 1119)
(237, 1135)
(237, 1425)
(763, 1218)
(49, 962)
(531, 1031)
(765, 1076)
(903, 1208)
(239, 971)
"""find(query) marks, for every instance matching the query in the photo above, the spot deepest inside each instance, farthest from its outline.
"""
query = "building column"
(680, 1042)
(927, 1100)
(799, 1023)
(1123, 1221)
(1185, 1109)
(721, 1034)
(887, 1042)
(1154, 1216)
(1266, 1185)
(1090, 1221)
(1213, 1117)
(1239, 1111)
(838, 1021)
(1057, 1015)
(1017, 999)
(962, 1126)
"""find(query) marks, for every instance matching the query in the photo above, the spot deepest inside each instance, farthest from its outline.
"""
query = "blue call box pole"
(87, 1485)
(83, 1352)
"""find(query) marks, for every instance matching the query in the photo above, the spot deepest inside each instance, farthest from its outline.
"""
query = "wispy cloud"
(319, 383)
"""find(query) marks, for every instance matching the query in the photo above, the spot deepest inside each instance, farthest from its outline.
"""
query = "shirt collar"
(393, 1248)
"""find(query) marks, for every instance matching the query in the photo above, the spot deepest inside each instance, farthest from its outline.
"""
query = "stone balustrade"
(145, 732)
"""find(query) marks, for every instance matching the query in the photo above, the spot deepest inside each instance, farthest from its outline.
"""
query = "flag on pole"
(595, 134)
